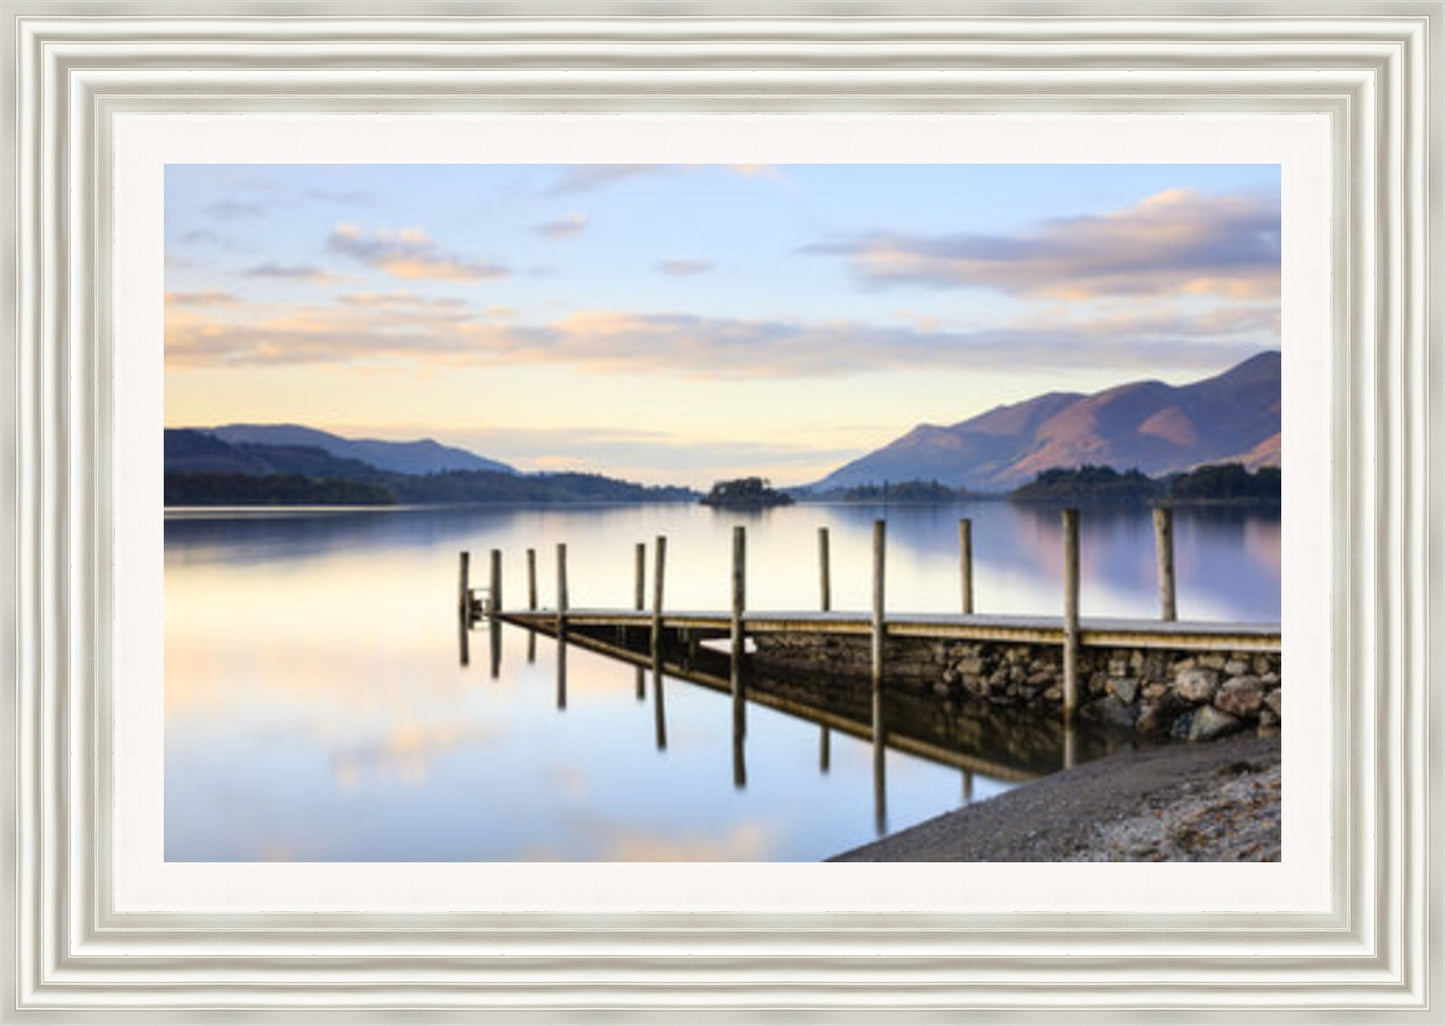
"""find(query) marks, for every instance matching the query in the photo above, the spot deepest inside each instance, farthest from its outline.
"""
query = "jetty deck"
(1101, 632)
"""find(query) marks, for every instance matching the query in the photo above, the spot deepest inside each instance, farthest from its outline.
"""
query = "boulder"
(1240, 696)
(1111, 710)
(1236, 668)
(1208, 723)
(1157, 717)
(1127, 688)
(1274, 699)
(1197, 684)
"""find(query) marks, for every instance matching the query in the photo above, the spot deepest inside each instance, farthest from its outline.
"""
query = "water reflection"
(319, 706)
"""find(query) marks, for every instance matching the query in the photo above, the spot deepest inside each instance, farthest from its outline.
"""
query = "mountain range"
(420, 457)
(1145, 425)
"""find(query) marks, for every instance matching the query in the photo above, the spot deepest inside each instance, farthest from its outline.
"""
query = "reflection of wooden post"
(494, 642)
(464, 587)
(658, 567)
(1071, 614)
(880, 785)
(825, 585)
(496, 580)
(561, 589)
(464, 640)
(561, 671)
(965, 562)
(1164, 548)
(825, 754)
(659, 715)
(739, 600)
(531, 646)
(967, 787)
(532, 579)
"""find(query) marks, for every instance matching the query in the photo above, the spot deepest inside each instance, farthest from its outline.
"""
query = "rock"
(1236, 668)
(1054, 693)
(1208, 723)
(1274, 699)
(1268, 731)
(1240, 696)
(1268, 717)
(1118, 667)
(1155, 718)
(1040, 679)
(1110, 709)
(1197, 685)
(1212, 661)
(1126, 688)
(941, 689)
(1153, 691)
(1269, 680)
(970, 667)
(1263, 663)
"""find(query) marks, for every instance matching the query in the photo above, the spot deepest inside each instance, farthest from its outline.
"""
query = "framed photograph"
(679, 334)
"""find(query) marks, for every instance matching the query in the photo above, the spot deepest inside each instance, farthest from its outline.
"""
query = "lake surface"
(316, 707)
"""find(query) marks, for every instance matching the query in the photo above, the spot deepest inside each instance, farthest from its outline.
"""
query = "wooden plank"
(1164, 550)
(1071, 614)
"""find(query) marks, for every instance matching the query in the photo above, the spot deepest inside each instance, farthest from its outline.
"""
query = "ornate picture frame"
(1367, 71)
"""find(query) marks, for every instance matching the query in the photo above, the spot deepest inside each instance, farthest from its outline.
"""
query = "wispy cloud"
(200, 299)
(563, 227)
(586, 177)
(690, 346)
(207, 237)
(399, 298)
(1174, 242)
(685, 266)
(409, 253)
(231, 210)
(295, 272)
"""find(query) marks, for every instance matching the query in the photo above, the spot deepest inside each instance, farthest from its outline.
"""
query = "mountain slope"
(421, 457)
(1148, 425)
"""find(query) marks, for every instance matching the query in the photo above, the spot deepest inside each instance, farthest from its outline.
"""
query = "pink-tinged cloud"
(1178, 242)
(679, 267)
(285, 272)
(689, 346)
(409, 253)
(564, 227)
(200, 299)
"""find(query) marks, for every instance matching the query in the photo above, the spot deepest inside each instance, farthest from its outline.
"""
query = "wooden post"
(639, 590)
(532, 579)
(965, 562)
(561, 671)
(464, 587)
(1071, 614)
(561, 589)
(464, 640)
(739, 600)
(658, 568)
(1164, 547)
(494, 647)
(825, 754)
(495, 585)
(879, 528)
(825, 584)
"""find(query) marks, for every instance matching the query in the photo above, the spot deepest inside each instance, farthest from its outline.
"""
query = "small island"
(745, 493)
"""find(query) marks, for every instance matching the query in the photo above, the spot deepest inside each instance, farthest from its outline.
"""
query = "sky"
(685, 324)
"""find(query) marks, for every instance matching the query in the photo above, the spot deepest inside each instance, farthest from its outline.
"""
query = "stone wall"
(1157, 692)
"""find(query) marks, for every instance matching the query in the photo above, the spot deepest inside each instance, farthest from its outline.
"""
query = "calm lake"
(316, 707)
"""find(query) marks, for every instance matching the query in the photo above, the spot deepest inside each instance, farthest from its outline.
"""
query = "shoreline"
(1216, 801)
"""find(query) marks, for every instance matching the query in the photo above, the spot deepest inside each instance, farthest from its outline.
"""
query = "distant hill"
(203, 470)
(1146, 425)
(421, 457)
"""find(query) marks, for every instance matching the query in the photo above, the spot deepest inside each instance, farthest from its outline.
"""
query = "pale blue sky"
(682, 323)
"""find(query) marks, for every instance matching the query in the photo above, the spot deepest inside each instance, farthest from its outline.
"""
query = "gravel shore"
(1198, 802)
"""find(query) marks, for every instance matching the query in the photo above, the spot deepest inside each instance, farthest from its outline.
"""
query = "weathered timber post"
(739, 600)
(1071, 614)
(639, 578)
(965, 562)
(879, 528)
(1164, 547)
(561, 590)
(464, 587)
(880, 794)
(658, 571)
(825, 603)
(495, 581)
(825, 584)
(532, 579)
